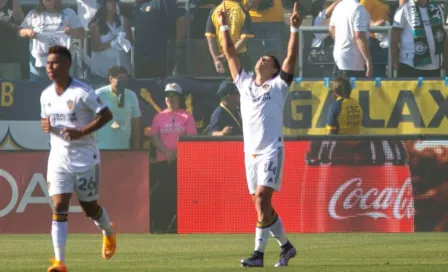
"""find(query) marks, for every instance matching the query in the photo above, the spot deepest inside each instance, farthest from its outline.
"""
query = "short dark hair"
(276, 65)
(116, 70)
(61, 51)
(342, 87)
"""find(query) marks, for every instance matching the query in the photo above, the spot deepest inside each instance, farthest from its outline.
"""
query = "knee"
(91, 210)
(60, 207)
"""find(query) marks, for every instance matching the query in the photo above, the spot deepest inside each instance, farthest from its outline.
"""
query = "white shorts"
(85, 184)
(265, 170)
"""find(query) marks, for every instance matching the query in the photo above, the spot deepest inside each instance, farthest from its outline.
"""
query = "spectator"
(111, 38)
(268, 26)
(123, 132)
(351, 50)
(226, 119)
(321, 47)
(321, 11)
(11, 16)
(47, 25)
(418, 39)
(379, 42)
(155, 28)
(167, 126)
(345, 114)
(240, 31)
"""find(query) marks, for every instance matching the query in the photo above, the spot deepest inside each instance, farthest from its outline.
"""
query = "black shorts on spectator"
(348, 73)
(163, 197)
(405, 70)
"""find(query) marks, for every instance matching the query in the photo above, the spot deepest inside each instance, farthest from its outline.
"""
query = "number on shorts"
(92, 186)
(269, 167)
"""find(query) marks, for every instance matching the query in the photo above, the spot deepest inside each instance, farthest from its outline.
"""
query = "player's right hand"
(45, 125)
(222, 15)
(31, 34)
(219, 66)
(227, 130)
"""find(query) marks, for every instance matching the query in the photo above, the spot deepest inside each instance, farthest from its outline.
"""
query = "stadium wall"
(26, 208)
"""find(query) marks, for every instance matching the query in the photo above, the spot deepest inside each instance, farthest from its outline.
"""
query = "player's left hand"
(295, 19)
(67, 30)
(222, 15)
(71, 134)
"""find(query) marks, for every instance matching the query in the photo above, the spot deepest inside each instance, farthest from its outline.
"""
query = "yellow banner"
(393, 107)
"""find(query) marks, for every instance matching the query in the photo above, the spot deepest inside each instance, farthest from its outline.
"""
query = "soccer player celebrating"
(71, 112)
(262, 99)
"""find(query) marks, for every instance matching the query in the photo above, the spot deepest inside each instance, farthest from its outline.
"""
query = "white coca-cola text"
(352, 199)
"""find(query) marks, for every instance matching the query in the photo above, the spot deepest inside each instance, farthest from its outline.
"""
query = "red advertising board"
(321, 197)
(25, 206)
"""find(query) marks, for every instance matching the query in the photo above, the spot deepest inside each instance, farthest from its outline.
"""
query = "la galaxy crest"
(265, 87)
(70, 104)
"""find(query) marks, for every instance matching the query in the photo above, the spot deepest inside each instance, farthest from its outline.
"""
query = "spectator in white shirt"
(47, 25)
(418, 39)
(109, 33)
(349, 27)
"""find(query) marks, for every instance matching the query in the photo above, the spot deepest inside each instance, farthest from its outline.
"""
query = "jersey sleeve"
(43, 114)
(332, 116)
(246, 32)
(210, 29)
(399, 18)
(287, 78)
(93, 102)
(242, 79)
(361, 20)
(215, 122)
(190, 126)
(27, 22)
(73, 19)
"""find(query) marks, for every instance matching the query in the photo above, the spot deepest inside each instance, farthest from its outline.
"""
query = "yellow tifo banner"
(390, 107)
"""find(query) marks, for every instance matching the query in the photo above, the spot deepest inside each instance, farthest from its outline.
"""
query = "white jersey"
(262, 112)
(76, 107)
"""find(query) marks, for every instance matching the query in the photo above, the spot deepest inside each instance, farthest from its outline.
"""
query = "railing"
(190, 47)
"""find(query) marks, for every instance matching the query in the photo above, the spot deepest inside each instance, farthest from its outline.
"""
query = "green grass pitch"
(317, 252)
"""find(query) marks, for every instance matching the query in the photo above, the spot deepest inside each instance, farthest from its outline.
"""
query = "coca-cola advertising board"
(26, 208)
(328, 186)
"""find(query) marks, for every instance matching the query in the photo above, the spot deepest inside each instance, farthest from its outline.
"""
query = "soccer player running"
(71, 112)
(263, 96)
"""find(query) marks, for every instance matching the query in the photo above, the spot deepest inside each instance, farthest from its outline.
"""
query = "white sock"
(103, 223)
(278, 232)
(59, 232)
(261, 238)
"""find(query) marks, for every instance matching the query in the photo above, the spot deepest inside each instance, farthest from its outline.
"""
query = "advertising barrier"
(26, 208)
(327, 186)
(390, 107)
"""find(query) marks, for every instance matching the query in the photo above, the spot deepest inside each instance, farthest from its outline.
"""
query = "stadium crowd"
(148, 38)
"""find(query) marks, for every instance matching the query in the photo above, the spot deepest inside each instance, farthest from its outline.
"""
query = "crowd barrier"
(390, 107)
(26, 208)
(330, 184)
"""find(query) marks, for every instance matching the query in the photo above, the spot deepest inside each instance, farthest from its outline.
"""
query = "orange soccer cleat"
(57, 266)
(109, 244)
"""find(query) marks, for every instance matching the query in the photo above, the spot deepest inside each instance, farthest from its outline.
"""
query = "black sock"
(286, 246)
(259, 254)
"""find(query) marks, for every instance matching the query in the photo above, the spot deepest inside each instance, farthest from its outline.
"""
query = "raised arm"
(227, 44)
(289, 65)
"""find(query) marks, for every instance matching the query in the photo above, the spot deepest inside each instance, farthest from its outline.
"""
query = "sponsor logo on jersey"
(70, 104)
(264, 97)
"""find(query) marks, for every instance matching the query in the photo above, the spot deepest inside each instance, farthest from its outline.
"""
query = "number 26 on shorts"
(91, 185)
